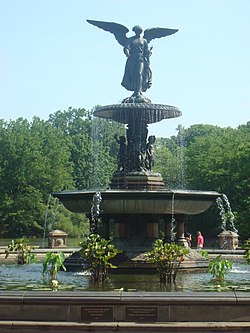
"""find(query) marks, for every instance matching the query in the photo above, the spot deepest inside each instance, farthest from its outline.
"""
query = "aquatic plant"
(204, 253)
(167, 258)
(52, 264)
(247, 251)
(98, 252)
(219, 267)
(24, 251)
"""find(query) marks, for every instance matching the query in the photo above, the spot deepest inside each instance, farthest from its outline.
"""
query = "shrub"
(24, 254)
(98, 252)
(167, 258)
(219, 267)
(247, 251)
(52, 264)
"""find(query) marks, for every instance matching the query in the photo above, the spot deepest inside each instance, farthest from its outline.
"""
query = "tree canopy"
(73, 150)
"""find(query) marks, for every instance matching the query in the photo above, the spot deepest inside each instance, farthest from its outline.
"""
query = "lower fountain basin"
(140, 201)
(29, 278)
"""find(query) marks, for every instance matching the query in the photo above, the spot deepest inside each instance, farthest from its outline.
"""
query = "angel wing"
(118, 30)
(153, 33)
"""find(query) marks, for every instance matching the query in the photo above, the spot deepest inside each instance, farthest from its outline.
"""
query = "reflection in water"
(29, 277)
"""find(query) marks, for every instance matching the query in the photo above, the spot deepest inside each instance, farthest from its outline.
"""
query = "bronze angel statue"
(137, 75)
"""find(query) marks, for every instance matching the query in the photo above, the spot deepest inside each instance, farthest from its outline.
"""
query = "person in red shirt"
(200, 240)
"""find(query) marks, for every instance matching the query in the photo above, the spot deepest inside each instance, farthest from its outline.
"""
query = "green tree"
(75, 126)
(167, 164)
(70, 151)
(92, 146)
(75, 225)
(207, 157)
(191, 134)
(34, 161)
(220, 161)
(170, 159)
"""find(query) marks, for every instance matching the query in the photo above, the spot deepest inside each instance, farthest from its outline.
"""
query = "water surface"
(29, 277)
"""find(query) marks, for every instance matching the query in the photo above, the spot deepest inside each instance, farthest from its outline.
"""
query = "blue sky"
(51, 58)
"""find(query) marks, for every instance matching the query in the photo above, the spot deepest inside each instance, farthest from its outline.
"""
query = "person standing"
(200, 240)
(189, 239)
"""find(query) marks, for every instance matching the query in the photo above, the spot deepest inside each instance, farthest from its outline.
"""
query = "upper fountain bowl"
(150, 113)
(140, 201)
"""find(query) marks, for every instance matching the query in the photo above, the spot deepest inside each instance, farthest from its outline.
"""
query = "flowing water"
(50, 217)
(29, 277)
(226, 214)
(95, 212)
(173, 224)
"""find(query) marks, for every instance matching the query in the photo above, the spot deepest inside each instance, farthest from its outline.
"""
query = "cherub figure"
(122, 153)
(137, 75)
(150, 153)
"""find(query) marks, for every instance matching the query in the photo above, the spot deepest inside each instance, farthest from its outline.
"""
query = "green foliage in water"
(204, 253)
(98, 252)
(52, 264)
(247, 251)
(167, 258)
(24, 251)
(219, 267)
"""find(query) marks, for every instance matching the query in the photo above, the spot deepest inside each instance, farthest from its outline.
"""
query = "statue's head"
(137, 29)
(151, 139)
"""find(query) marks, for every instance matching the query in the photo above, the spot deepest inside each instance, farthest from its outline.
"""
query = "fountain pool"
(29, 277)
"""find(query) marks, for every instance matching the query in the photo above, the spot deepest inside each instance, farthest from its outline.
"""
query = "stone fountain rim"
(140, 201)
(172, 191)
(144, 106)
(114, 111)
(145, 192)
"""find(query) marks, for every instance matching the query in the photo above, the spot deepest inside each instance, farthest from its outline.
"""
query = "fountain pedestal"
(228, 240)
(137, 180)
(57, 239)
(135, 156)
(180, 235)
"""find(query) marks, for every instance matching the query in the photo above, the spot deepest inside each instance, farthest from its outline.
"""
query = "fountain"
(137, 208)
